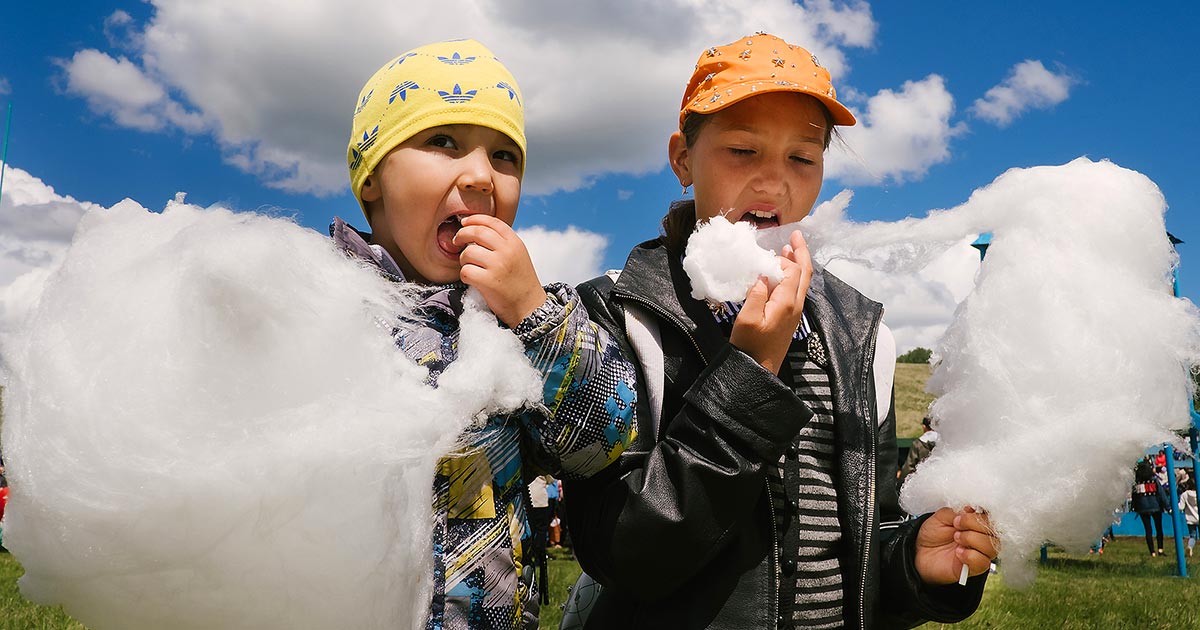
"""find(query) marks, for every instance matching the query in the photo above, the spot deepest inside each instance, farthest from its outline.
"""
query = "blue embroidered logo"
(355, 159)
(457, 95)
(399, 60)
(368, 139)
(456, 60)
(512, 93)
(363, 103)
(402, 91)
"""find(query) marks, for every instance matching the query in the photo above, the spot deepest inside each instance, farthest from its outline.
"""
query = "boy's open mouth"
(446, 232)
(760, 218)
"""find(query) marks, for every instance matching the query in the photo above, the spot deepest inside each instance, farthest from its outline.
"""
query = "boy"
(436, 157)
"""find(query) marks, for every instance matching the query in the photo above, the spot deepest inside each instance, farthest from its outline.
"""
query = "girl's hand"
(495, 261)
(950, 539)
(768, 320)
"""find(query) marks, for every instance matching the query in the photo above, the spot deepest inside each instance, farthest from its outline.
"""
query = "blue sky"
(243, 104)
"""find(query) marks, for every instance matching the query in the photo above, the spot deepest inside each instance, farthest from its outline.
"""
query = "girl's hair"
(1144, 471)
(680, 221)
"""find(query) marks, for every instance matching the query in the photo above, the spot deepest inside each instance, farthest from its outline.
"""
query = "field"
(1124, 588)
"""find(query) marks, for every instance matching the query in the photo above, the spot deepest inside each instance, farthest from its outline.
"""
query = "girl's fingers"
(976, 562)
(786, 290)
(977, 541)
(756, 297)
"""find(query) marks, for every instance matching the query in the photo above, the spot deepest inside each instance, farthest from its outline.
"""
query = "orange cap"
(754, 65)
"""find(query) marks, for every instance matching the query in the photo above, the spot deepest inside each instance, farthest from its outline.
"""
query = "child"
(1187, 503)
(760, 490)
(436, 155)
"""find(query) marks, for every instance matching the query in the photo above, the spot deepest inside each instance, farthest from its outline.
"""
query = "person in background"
(555, 529)
(539, 523)
(1187, 503)
(1149, 501)
(919, 450)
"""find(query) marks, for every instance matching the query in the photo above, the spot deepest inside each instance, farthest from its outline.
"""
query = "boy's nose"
(476, 172)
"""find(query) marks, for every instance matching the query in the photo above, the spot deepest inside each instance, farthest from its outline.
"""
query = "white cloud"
(918, 306)
(624, 195)
(121, 31)
(1028, 86)
(572, 255)
(899, 135)
(5, 86)
(601, 82)
(116, 87)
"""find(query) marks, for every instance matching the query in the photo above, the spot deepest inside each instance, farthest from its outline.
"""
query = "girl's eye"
(442, 141)
(507, 156)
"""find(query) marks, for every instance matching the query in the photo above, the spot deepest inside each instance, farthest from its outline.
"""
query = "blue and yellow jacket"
(481, 526)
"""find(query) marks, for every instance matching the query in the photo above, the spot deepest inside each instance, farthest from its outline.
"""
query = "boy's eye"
(741, 151)
(505, 155)
(442, 141)
(803, 160)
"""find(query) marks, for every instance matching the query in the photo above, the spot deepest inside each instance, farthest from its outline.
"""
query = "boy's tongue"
(445, 236)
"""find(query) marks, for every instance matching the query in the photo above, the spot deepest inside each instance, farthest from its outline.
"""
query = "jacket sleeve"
(905, 600)
(654, 521)
(588, 388)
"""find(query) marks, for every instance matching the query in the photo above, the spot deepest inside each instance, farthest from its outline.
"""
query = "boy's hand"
(950, 539)
(768, 320)
(495, 261)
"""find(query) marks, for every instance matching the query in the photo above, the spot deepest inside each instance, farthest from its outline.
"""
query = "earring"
(685, 190)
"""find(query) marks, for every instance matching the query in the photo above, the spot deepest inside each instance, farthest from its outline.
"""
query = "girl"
(759, 491)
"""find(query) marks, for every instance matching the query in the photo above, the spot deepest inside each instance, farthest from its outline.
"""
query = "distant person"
(1187, 504)
(539, 523)
(1149, 501)
(919, 451)
(554, 531)
(3, 502)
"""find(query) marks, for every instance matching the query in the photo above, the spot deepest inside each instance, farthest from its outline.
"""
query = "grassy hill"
(911, 400)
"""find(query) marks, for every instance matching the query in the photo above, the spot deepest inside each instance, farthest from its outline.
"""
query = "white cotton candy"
(723, 260)
(207, 425)
(1068, 359)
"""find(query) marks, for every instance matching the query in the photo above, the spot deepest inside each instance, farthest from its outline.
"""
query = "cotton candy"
(207, 425)
(1068, 359)
(723, 260)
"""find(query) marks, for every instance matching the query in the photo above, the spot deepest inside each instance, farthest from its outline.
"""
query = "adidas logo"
(457, 95)
(402, 91)
(456, 60)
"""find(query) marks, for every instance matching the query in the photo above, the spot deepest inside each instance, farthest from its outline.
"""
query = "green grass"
(911, 400)
(1124, 588)
(16, 613)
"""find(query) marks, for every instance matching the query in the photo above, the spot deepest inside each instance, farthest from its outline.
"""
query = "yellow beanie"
(458, 82)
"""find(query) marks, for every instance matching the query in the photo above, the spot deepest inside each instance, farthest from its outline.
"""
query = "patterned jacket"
(481, 527)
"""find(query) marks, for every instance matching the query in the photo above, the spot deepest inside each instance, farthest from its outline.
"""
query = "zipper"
(669, 317)
(870, 522)
(773, 593)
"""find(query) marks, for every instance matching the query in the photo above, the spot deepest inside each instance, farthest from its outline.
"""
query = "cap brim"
(736, 93)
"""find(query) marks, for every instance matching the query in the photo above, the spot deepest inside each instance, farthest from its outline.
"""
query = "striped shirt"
(803, 492)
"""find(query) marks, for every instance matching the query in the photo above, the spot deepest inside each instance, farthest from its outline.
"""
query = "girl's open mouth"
(761, 218)
(446, 232)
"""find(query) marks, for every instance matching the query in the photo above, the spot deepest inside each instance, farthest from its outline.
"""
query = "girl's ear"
(678, 156)
(370, 189)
